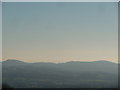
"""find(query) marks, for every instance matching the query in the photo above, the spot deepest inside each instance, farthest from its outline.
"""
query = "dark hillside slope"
(98, 74)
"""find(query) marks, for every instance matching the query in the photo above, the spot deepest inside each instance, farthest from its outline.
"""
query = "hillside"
(98, 74)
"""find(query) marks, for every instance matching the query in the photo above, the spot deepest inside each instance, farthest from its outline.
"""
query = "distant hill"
(74, 74)
(12, 61)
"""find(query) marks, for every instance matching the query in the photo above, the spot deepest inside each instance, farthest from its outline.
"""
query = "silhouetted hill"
(72, 74)
(12, 61)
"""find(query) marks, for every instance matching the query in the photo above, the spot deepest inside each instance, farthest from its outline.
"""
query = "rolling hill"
(74, 74)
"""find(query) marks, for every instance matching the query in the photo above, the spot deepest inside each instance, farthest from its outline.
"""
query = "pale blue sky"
(60, 0)
(60, 32)
(0, 31)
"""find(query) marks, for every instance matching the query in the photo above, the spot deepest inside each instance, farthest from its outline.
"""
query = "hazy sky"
(0, 31)
(60, 32)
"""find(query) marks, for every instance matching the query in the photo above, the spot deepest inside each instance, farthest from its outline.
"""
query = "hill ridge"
(99, 61)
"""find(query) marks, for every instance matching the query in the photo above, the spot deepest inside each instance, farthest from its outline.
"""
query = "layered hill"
(74, 74)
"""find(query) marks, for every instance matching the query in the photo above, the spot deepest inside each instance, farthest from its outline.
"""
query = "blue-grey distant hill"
(74, 74)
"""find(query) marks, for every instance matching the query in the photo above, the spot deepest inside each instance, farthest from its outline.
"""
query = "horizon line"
(59, 62)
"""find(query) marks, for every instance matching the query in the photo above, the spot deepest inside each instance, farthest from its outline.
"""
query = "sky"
(0, 31)
(60, 31)
(60, 0)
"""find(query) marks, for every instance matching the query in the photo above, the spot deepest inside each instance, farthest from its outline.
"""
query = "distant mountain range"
(74, 74)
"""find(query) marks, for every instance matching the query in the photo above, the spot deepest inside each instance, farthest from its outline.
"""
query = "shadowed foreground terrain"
(6, 87)
(97, 74)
